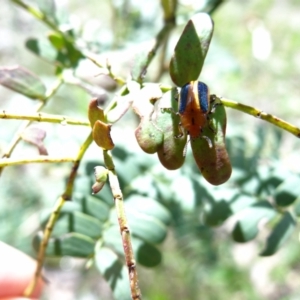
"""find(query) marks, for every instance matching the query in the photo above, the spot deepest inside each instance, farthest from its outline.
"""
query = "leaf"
(101, 135)
(57, 40)
(22, 81)
(146, 227)
(75, 221)
(191, 49)
(218, 213)
(288, 191)
(95, 207)
(114, 272)
(146, 254)
(282, 231)
(149, 206)
(246, 228)
(72, 244)
(68, 57)
(35, 136)
(44, 49)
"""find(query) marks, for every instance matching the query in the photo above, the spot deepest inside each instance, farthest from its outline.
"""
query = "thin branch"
(42, 117)
(54, 215)
(7, 162)
(36, 13)
(160, 39)
(261, 115)
(123, 225)
(17, 136)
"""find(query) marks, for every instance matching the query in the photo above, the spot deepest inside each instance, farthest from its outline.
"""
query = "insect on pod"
(208, 143)
(194, 107)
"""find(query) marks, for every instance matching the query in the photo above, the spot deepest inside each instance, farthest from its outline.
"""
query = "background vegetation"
(253, 59)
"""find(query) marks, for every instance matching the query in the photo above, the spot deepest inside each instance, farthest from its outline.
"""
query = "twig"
(25, 124)
(160, 38)
(261, 115)
(42, 117)
(5, 162)
(123, 225)
(54, 215)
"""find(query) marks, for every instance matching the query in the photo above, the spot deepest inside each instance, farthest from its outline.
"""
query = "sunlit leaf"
(76, 221)
(287, 192)
(281, 232)
(191, 49)
(71, 244)
(114, 271)
(150, 207)
(247, 227)
(22, 81)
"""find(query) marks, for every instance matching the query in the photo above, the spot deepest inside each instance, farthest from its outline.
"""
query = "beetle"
(194, 107)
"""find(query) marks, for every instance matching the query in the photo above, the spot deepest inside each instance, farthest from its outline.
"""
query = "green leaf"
(57, 40)
(191, 49)
(146, 227)
(22, 81)
(114, 272)
(71, 244)
(149, 207)
(95, 207)
(218, 213)
(287, 192)
(146, 254)
(76, 221)
(282, 231)
(246, 228)
(43, 48)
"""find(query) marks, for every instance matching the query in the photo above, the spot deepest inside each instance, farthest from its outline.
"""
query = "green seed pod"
(209, 149)
(171, 152)
(148, 136)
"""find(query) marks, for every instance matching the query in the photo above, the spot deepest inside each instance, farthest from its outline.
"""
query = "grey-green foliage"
(157, 202)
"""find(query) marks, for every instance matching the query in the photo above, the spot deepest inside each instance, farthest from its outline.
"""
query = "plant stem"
(17, 136)
(5, 162)
(261, 115)
(160, 39)
(42, 117)
(123, 224)
(55, 213)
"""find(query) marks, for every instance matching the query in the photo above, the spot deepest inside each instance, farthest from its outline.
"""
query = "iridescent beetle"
(194, 107)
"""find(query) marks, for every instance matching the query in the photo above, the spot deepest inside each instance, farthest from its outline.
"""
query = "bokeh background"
(254, 58)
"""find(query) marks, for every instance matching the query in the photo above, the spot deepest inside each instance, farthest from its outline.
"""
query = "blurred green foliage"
(180, 224)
